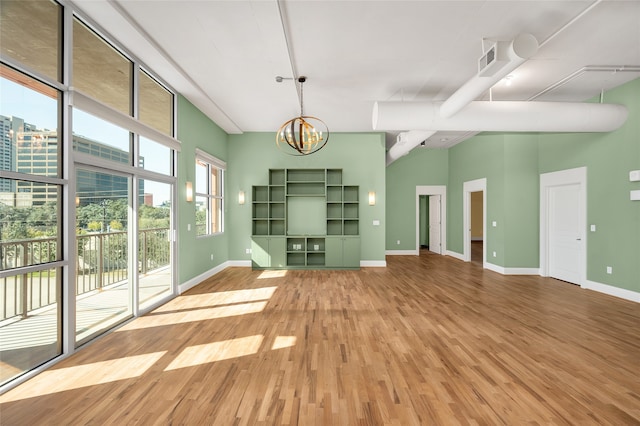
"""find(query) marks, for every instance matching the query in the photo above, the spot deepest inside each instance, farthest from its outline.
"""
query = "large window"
(30, 223)
(100, 71)
(155, 104)
(209, 194)
(116, 148)
(30, 34)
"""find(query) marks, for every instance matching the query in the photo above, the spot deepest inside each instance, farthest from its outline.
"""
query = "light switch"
(376, 223)
(494, 223)
(593, 228)
(188, 227)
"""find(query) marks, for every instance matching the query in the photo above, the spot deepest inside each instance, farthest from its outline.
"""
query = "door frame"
(467, 188)
(440, 190)
(561, 178)
(439, 198)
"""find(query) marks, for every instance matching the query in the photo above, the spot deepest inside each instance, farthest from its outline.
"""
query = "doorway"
(431, 218)
(475, 213)
(430, 223)
(562, 221)
(477, 228)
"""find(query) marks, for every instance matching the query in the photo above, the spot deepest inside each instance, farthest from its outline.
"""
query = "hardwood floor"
(427, 340)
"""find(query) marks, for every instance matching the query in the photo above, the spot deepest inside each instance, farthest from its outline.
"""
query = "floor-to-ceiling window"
(31, 187)
(87, 183)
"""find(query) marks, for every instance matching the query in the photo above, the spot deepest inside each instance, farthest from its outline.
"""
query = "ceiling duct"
(501, 116)
(406, 140)
(507, 56)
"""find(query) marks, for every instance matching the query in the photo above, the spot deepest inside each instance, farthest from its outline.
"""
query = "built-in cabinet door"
(342, 252)
(268, 252)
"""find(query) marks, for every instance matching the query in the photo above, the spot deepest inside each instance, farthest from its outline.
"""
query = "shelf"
(334, 226)
(306, 175)
(334, 194)
(350, 211)
(315, 259)
(276, 227)
(276, 193)
(296, 259)
(260, 193)
(276, 211)
(296, 245)
(350, 227)
(315, 244)
(260, 227)
(334, 211)
(305, 218)
(334, 177)
(260, 210)
(276, 177)
(350, 194)
(316, 189)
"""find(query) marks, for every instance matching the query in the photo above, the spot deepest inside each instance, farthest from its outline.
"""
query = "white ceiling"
(224, 55)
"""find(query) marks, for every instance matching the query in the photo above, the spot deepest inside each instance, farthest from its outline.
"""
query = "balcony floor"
(34, 340)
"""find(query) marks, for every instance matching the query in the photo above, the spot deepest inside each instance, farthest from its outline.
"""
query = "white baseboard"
(511, 271)
(401, 253)
(373, 263)
(522, 271)
(241, 263)
(494, 268)
(612, 291)
(454, 254)
(199, 278)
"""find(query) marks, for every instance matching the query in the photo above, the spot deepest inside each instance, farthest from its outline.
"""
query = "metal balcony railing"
(101, 260)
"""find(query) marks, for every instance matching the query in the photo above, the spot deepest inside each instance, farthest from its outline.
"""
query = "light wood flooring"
(428, 340)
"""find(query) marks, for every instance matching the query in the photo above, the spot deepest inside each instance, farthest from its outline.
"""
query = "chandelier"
(304, 134)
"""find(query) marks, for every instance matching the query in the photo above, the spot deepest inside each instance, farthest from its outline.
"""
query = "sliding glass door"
(155, 270)
(104, 296)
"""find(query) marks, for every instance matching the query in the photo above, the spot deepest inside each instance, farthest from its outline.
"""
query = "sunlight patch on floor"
(193, 316)
(282, 342)
(63, 379)
(217, 351)
(272, 274)
(219, 298)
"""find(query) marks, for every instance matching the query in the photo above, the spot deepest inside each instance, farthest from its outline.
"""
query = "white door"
(565, 233)
(435, 244)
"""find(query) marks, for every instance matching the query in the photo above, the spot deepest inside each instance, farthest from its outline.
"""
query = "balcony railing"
(102, 260)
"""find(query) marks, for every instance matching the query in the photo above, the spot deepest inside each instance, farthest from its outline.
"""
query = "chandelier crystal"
(304, 134)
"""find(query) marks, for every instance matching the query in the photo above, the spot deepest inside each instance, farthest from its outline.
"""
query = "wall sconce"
(189, 191)
(372, 198)
(241, 197)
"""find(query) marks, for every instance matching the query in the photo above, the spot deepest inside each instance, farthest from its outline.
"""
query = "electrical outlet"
(188, 227)
(609, 270)
(494, 254)
(398, 242)
(494, 223)
(593, 228)
(212, 256)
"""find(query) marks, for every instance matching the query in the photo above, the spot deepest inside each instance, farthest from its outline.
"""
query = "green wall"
(195, 130)
(608, 158)
(360, 155)
(479, 157)
(423, 166)
(512, 164)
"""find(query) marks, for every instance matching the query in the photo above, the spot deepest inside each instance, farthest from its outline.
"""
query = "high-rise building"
(27, 149)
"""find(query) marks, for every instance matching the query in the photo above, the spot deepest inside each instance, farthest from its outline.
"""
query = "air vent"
(491, 62)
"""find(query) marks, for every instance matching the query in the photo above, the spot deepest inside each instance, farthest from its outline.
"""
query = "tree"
(94, 226)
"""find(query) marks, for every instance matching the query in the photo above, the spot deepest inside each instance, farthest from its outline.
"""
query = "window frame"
(212, 162)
